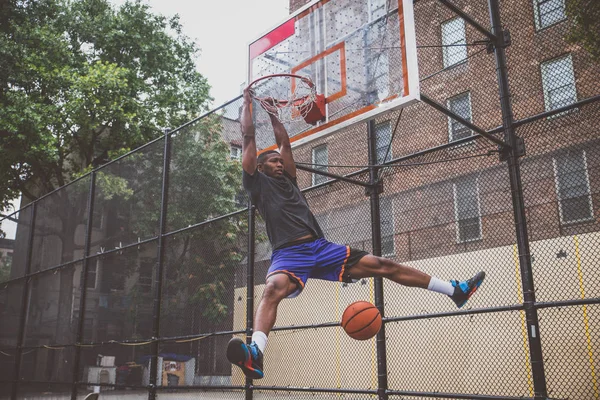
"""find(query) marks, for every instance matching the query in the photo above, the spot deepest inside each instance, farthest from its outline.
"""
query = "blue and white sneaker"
(463, 290)
(248, 357)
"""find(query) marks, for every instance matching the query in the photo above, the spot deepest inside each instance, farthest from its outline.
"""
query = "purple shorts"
(318, 259)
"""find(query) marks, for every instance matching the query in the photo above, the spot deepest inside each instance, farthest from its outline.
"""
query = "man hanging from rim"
(300, 250)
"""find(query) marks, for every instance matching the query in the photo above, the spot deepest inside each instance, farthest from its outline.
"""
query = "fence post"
(24, 304)
(516, 186)
(373, 192)
(158, 274)
(83, 284)
(250, 285)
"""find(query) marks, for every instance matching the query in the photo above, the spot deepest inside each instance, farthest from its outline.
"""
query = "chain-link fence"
(132, 279)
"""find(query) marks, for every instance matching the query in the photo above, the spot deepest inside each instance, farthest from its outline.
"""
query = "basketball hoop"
(289, 97)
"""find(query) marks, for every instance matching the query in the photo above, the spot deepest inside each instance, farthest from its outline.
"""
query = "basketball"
(361, 320)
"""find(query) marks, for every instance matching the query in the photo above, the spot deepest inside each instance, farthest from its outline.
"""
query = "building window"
(558, 82)
(145, 278)
(573, 187)
(383, 138)
(320, 157)
(376, 9)
(454, 42)
(548, 12)
(467, 210)
(92, 275)
(235, 152)
(386, 213)
(461, 106)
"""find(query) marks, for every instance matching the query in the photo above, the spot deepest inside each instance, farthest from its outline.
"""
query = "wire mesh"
(11, 296)
(44, 365)
(201, 277)
(423, 351)
(115, 368)
(546, 71)
(127, 199)
(119, 295)
(204, 178)
(196, 362)
(5, 390)
(52, 307)
(221, 394)
(570, 350)
(13, 263)
(58, 390)
(305, 395)
(60, 220)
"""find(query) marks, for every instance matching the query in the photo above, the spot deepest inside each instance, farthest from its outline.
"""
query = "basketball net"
(288, 97)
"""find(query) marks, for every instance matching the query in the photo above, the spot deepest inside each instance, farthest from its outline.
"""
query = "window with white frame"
(320, 157)
(573, 187)
(383, 137)
(92, 275)
(454, 42)
(386, 214)
(145, 275)
(558, 81)
(467, 210)
(235, 152)
(461, 106)
(377, 9)
(548, 12)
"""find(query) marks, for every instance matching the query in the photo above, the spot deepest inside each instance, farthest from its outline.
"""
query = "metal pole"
(83, 284)
(332, 176)
(158, 274)
(533, 331)
(250, 285)
(24, 305)
(382, 383)
(463, 121)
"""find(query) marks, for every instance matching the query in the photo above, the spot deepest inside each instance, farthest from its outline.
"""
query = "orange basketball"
(361, 320)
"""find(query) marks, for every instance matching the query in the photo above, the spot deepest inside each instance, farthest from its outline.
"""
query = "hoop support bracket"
(377, 188)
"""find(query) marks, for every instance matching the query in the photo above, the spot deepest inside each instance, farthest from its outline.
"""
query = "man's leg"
(277, 288)
(372, 266)
(250, 357)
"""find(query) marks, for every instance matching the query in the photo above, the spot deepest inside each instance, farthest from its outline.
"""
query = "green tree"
(81, 82)
(585, 31)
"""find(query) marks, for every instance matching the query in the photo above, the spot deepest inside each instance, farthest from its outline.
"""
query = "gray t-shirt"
(283, 207)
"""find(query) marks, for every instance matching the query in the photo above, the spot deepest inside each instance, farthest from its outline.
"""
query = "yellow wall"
(483, 353)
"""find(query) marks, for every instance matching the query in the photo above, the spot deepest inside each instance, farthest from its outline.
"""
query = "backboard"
(361, 55)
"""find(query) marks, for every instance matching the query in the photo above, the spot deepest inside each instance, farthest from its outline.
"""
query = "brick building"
(462, 206)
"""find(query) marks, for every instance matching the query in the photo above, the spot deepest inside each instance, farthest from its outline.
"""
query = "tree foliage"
(81, 82)
(585, 31)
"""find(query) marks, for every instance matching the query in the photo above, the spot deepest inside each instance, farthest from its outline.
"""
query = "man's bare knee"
(277, 288)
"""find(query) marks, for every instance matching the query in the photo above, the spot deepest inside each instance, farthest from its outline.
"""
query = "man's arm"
(248, 140)
(285, 148)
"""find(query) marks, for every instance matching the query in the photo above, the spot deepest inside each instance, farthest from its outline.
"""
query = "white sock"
(440, 286)
(260, 339)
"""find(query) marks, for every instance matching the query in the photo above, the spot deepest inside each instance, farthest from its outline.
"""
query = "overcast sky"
(222, 29)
